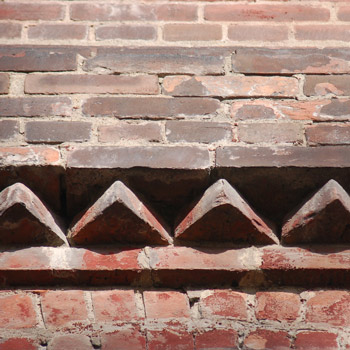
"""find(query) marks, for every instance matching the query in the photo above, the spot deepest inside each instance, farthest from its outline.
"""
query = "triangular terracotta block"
(325, 218)
(25, 220)
(119, 216)
(222, 215)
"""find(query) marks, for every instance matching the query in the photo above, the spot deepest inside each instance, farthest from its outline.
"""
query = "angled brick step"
(119, 216)
(324, 218)
(25, 220)
(221, 214)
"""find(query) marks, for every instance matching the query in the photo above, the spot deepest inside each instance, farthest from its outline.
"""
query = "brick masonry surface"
(174, 174)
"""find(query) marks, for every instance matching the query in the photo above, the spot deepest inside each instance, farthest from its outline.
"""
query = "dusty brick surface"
(316, 340)
(123, 339)
(266, 339)
(170, 339)
(216, 339)
(192, 32)
(4, 82)
(18, 343)
(322, 32)
(76, 342)
(244, 32)
(8, 129)
(10, 30)
(126, 32)
(57, 32)
(329, 134)
(318, 85)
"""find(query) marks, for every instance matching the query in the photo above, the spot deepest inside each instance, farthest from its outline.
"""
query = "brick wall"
(174, 174)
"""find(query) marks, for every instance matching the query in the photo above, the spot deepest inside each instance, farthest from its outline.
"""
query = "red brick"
(119, 216)
(234, 86)
(344, 13)
(123, 340)
(162, 60)
(8, 129)
(270, 133)
(39, 155)
(29, 59)
(224, 303)
(25, 220)
(259, 12)
(291, 60)
(206, 132)
(322, 32)
(35, 106)
(57, 132)
(329, 307)
(316, 341)
(58, 31)
(277, 306)
(222, 203)
(64, 308)
(71, 341)
(126, 32)
(4, 82)
(192, 32)
(170, 339)
(217, 339)
(136, 12)
(125, 131)
(244, 32)
(149, 106)
(10, 30)
(169, 304)
(17, 311)
(328, 134)
(324, 218)
(265, 339)
(18, 343)
(89, 84)
(179, 157)
(31, 12)
(318, 85)
(116, 305)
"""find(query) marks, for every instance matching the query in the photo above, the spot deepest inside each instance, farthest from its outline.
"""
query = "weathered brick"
(124, 131)
(245, 32)
(180, 157)
(230, 86)
(64, 308)
(17, 311)
(70, 341)
(224, 303)
(217, 339)
(318, 110)
(115, 305)
(57, 132)
(263, 12)
(344, 13)
(8, 129)
(266, 339)
(135, 12)
(126, 32)
(4, 82)
(318, 85)
(18, 343)
(149, 106)
(58, 31)
(171, 304)
(10, 30)
(162, 60)
(39, 155)
(170, 339)
(222, 203)
(28, 59)
(192, 32)
(270, 133)
(324, 218)
(328, 134)
(291, 60)
(124, 339)
(327, 156)
(119, 216)
(89, 84)
(316, 340)
(277, 306)
(31, 12)
(34, 106)
(25, 220)
(322, 32)
(206, 132)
